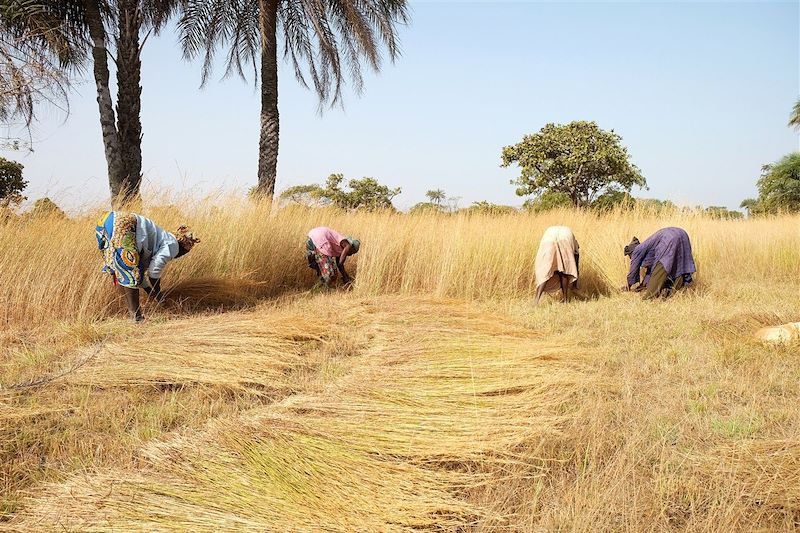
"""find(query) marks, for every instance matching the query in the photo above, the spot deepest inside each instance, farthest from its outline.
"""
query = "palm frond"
(41, 42)
(794, 119)
(327, 42)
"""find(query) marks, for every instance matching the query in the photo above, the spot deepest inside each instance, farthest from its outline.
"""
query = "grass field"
(434, 396)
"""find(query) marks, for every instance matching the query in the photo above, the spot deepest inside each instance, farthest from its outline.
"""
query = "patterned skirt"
(325, 264)
(116, 238)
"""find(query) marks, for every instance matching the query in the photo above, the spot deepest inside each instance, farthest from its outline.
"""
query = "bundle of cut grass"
(13, 414)
(447, 403)
(780, 334)
(254, 351)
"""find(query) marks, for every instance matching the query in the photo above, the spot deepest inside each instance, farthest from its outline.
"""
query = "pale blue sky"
(700, 92)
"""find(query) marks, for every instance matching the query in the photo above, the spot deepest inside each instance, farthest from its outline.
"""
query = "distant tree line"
(12, 186)
(364, 193)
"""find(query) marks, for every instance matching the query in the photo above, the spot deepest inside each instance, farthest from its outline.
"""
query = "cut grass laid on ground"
(391, 445)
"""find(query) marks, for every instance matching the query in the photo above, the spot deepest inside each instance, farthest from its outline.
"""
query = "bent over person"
(134, 247)
(326, 252)
(557, 262)
(667, 259)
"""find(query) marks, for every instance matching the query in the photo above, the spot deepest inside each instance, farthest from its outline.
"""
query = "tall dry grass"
(49, 268)
(432, 397)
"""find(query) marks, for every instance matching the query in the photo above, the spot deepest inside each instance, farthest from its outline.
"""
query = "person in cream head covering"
(557, 261)
(133, 246)
(326, 252)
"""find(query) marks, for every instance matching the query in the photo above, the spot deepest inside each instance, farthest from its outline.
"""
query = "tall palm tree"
(324, 40)
(125, 24)
(794, 119)
(100, 27)
(436, 196)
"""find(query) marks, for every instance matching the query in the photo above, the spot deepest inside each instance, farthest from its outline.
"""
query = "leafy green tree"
(307, 195)
(723, 213)
(324, 41)
(11, 183)
(779, 186)
(547, 201)
(436, 196)
(794, 118)
(578, 159)
(366, 193)
(426, 207)
(487, 208)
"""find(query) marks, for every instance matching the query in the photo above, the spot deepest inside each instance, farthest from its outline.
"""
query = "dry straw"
(390, 446)
(433, 397)
(50, 268)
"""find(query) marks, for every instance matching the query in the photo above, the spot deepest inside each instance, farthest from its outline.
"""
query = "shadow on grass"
(205, 294)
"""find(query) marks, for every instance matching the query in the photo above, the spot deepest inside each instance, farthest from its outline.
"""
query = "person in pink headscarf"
(326, 252)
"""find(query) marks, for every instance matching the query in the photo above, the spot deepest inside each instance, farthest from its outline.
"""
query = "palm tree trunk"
(111, 142)
(268, 141)
(129, 97)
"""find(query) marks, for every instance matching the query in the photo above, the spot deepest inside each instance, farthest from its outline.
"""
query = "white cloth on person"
(156, 246)
(557, 251)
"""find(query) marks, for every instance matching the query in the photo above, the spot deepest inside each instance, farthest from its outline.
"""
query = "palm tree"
(436, 196)
(794, 119)
(39, 45)
(123, 22)
(324, 40)
(68, 30)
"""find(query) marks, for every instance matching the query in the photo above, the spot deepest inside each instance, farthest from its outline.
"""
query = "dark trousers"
(661, 284)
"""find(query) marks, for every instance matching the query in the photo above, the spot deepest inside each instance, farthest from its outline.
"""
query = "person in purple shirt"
(667, 259)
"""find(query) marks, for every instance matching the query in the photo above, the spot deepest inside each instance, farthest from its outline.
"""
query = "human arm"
(163, 255)
(347, 249)
(340, 265)
(637, 257)
(154, 290)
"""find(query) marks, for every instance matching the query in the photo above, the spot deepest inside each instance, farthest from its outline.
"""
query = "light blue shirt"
(156, 246)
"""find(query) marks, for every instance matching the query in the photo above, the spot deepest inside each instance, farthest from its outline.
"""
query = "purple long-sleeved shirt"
(668, 246)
